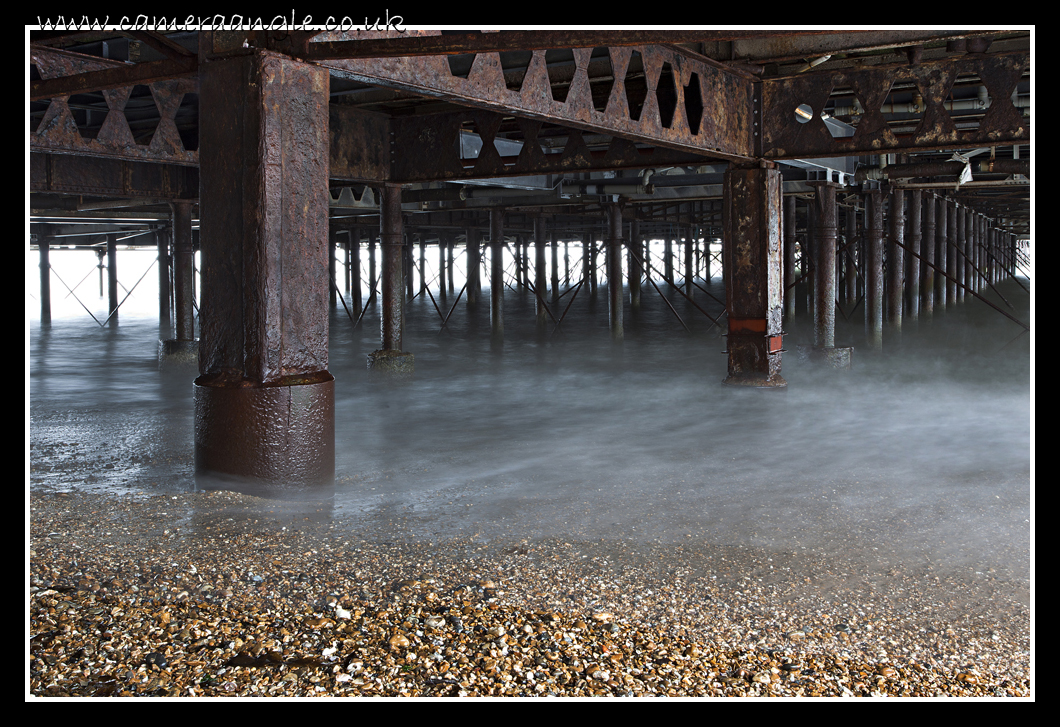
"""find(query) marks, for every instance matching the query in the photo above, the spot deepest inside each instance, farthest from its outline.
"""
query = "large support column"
(587, 241)
(614, 270)
(913, 282)
(496, 279)
(927, 272)
(450, 242)
(264, 402)
(43, 243)
(668, 257)
(636, 245)
(593, 252)
(788, 290)
(751, 216)
(824, 211)
(183, 271)
(423, 262)
(112, 279)
(942, 221)
(896, 260)
(809, 246)
(539, 269)
(968, 276)
(689, 274)
(874, 268)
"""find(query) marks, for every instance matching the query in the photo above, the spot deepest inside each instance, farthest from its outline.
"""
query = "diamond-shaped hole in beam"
(967, 102)
(560, 66)
(88, 110)
(636, 85)
(460, 64)
(142, 115)
(693, 104)
(601, 77)
(187, 120)
(515, 63)
(666, 92)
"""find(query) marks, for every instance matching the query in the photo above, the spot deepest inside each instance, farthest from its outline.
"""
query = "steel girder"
(783, 137)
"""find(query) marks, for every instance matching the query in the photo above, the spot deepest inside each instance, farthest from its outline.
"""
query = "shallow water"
(920, 453)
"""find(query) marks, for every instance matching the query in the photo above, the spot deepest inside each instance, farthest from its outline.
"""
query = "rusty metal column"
(751, 219)
(689, 274)
(43, 243)
(183, 351)
(809, 273)
(353, 267)
(566, 262)
(496, 279)
(164, 315)
(968, 277)
(373, 280)
(942, 240)
(112, 278)
(423, 261)
(473, 265)
(896, 260)
(636, 245)
(913, 281)
(614, 270)
(553, 242)
(441, 264)
(390, 359)
(850, 278)
(450, 243)
(947, 234)
(824, 212)
(264, 402)
(874, 268)
(539, 269)
(587, 241)
(957, 264)
(927, 272)
(332, 279)
(593, 252)
(668, 256)
(788, 290)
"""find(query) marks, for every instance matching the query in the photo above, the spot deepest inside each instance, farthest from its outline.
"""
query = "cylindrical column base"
(392, 363)
(174, 354)
(271, 441)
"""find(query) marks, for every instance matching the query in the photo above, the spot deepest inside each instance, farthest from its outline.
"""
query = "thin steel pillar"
(554, 245)
(449, 244)
(473, 263)
(373, 278)
(112, 278)
(824, 212)
(788, 291)
(874, 265)
(353, 267)
(751, 218)
(539, 269)
(943, 220)
(636, 246)
(183, 270)
(668, 255)
(441, 264)
(162, 242)
(333, 280)
(896, 260)
(927, 271)
(913, 282)
(850, 277)
(392, 237)
(496, 279)
(614, 270)
(43, 243)
(957, 253)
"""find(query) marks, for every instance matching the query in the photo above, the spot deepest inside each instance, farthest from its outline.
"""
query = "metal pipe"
(391, 236)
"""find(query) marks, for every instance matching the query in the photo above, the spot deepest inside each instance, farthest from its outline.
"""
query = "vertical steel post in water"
(874, 265)
(824, 212)
(496, 279)
(112, 278)
(43, 243)
(614, 271)
(895, 259)
(913, 282)
(788, 291)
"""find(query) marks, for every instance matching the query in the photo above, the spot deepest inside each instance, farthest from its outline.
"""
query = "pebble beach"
(219, 594)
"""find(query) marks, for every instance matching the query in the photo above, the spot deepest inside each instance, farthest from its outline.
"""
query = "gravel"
(221, 594)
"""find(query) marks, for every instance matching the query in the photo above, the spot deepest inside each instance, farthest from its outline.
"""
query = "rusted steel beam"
(58, 131)
(783, 137)
(688, 104)
(170, 49)
(332, 46)
(68, 174)
(753, 275)
(112, 78)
